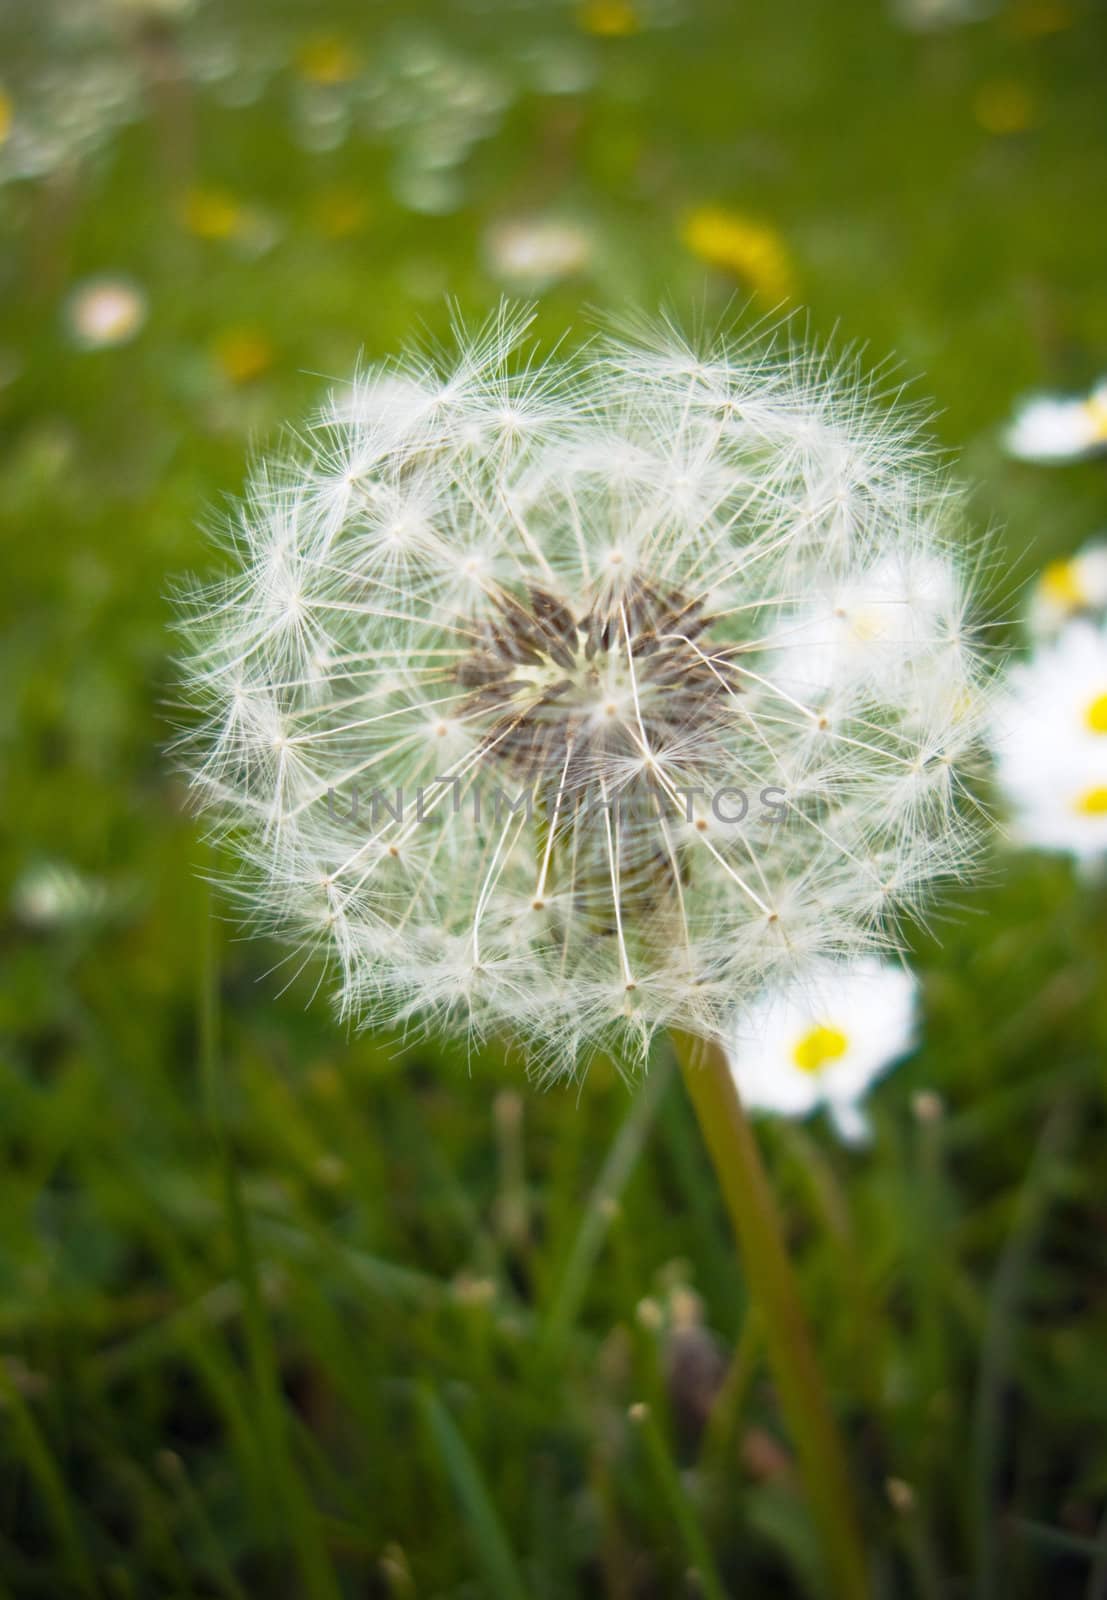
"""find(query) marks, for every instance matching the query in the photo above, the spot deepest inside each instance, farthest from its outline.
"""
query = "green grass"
(289, 1313)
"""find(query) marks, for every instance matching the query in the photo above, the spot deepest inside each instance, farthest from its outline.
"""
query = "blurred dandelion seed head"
(596, 585)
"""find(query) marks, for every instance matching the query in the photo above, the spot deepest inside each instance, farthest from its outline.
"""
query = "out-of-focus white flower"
(54, 895)
(144, 9)
(1050, 740)
(1052, 427)
(531, 253)
(566, 585)
(823, 1038)
(102, 312)
(1069, 587)
(930, 16)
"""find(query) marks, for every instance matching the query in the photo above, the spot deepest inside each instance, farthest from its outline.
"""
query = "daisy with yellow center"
(1050, 739)
(1050, 427)
(823, 1040)
(1068, 587)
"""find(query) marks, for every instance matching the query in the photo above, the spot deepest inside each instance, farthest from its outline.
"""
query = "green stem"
(756, 1221)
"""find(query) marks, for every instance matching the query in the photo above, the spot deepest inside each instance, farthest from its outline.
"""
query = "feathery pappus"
(573, 698)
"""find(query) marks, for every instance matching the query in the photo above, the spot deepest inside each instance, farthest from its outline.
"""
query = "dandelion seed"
(579, 608)
(823, 1039)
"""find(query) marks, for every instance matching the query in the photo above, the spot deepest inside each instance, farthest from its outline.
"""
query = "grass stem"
(756, 1221)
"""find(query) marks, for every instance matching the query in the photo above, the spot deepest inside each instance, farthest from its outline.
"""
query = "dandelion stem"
(756, 1221)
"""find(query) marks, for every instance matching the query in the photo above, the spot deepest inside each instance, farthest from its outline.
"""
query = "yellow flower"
(6, 114)
(1004, 106)
(327, 60)
(340, 212)
(243, 354)
(609, 19)
(743, 246)
(212, 214)
(1031, 19)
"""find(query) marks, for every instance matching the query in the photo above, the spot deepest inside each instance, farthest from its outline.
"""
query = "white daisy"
(531, 253)
(1049, 427)
(1050, 743)
(1069, 587)
(102, 312)
(54, 895)
(823, 1038)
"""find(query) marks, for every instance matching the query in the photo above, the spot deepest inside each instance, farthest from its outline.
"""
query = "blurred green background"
(289, 1313)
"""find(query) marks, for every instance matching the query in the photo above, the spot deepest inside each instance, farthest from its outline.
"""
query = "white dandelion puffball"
(823, 1039)
(528, 697)
(1052, 427)
(1050, 742)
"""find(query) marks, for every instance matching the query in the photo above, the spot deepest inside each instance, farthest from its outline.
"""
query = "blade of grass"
(615, 1173)
(502, 1576)
(680, 1507)
(44, 1472)
(1008, 1283)
(303, 1521)
(753, 1211)
(175, 1474)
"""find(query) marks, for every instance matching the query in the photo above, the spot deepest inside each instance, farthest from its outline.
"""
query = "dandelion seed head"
(578, 698)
